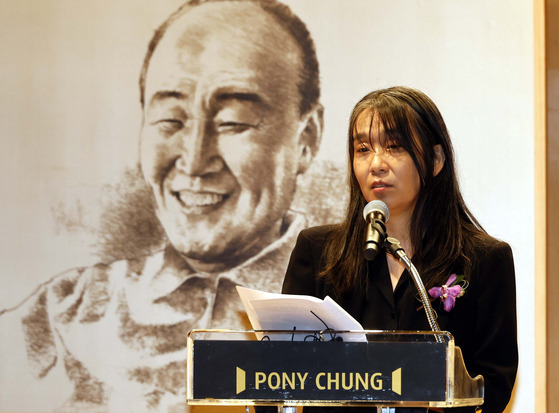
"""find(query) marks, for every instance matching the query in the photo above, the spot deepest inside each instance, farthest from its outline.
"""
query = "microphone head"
(378, 206)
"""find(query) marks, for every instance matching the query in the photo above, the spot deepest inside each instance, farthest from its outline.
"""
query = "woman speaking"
(400, 153)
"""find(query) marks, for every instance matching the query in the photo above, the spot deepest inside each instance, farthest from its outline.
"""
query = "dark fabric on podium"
(483, 322)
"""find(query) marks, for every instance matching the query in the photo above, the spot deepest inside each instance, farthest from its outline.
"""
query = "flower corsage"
(454, 287)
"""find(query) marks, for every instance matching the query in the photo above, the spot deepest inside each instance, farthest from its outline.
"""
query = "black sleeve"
(300, 277)
(496, 350)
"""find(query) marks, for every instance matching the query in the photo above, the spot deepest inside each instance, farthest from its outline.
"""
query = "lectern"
(382, 369)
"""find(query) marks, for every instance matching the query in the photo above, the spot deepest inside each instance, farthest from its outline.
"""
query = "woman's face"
(384, 170)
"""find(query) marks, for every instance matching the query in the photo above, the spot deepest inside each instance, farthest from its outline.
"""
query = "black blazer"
(483, 321)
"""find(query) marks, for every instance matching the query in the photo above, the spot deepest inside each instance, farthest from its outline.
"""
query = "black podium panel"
(332, 370)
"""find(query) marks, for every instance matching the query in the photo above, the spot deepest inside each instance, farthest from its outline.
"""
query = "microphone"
(376, 214)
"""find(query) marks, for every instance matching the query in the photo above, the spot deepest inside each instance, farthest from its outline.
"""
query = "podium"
(382, 369)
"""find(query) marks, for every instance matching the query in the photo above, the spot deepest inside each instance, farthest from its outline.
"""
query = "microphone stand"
(392, 245)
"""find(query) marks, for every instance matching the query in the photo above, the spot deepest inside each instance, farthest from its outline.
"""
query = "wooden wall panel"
(552, 100)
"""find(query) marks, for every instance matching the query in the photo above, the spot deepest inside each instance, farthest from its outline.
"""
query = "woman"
(400, 153)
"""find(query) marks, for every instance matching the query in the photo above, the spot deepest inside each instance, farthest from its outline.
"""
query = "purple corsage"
(450, 291)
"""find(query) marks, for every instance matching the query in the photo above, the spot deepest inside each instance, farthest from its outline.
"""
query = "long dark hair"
(444, 233)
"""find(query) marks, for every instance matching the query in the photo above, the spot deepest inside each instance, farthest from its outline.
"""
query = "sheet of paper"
(269, 311)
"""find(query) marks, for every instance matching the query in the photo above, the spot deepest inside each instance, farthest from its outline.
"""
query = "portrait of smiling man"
(231, 119)
(229, 124)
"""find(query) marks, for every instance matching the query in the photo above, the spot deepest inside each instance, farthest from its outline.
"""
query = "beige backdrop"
(70, 117)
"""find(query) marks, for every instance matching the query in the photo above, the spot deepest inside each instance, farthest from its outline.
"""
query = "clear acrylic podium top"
(325, 368)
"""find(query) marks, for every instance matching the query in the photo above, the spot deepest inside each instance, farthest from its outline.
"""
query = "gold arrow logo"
(241, 380)
(397, 381)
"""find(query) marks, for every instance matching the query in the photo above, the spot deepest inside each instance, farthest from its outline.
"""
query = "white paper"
(269, 311)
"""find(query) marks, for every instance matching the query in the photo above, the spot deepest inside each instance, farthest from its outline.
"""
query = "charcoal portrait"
(231, 121)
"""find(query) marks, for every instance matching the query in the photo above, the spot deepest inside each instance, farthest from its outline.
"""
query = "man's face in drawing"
(222, 140)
